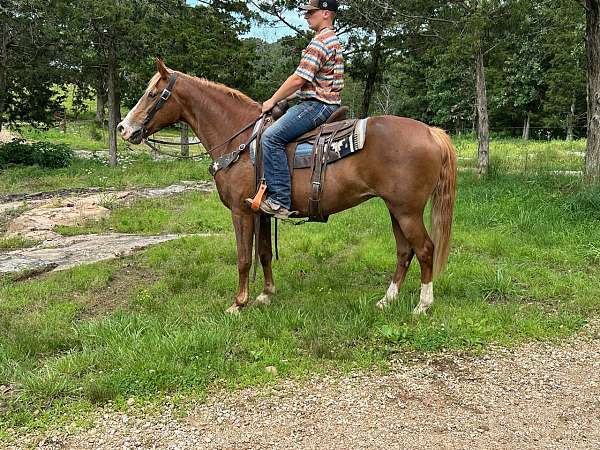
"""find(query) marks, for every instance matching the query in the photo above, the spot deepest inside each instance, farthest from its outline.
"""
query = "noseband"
(164, 96)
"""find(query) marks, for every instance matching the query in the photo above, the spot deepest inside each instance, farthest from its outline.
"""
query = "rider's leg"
(296, 121)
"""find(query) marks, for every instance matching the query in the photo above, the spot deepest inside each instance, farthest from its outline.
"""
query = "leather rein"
(223, 161)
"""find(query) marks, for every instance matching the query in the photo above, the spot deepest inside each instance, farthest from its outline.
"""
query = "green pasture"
(525, 157)
(524, 266)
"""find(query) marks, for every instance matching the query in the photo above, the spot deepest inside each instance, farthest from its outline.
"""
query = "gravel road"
(534, 396)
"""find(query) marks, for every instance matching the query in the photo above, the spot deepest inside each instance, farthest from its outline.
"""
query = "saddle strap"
(315, 212)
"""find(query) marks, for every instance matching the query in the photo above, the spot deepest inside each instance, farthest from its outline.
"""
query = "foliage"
(267, 75)
(43, 154)
(29, 68)
(201, 40)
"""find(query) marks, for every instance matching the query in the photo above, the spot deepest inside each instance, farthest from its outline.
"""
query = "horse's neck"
(216, 115)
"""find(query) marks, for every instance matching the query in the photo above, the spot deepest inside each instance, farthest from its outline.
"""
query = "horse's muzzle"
(136, 137)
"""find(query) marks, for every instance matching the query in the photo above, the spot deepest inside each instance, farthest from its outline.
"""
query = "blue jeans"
(299, 119)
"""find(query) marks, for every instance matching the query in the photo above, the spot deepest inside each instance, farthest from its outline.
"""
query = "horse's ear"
(161, 68)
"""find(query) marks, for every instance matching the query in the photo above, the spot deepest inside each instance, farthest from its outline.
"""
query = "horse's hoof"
(233, 310)
(382, 304)
(420, 310)
(263, 299)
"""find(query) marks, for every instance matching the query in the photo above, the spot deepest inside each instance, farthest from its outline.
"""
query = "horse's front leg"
(244, 230)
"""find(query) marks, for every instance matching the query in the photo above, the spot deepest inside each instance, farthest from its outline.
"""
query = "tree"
(113, 43)
(522, 83)
(372, 39)
(564, 72)
(28, 69)
(103, 33)
(592, 39)
(201, 40)
(273, 63)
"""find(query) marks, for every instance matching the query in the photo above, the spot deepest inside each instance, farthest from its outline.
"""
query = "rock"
(71, 251)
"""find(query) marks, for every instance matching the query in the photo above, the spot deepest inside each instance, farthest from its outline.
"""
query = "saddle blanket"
(338, 149)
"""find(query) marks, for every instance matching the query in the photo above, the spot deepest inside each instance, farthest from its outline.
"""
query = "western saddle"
(337, 126)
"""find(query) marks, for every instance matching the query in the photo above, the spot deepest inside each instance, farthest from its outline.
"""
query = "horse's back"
(400, 159)
(402, 144)
(411, 132)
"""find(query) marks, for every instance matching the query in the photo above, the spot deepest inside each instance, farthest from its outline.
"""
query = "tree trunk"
(592, 156)
(112, 104)
(483, 129)
(3, 63)
(474, 121)
(372, 72)
(571, 122)
(2, 93)
(185, 139)
(526, 127)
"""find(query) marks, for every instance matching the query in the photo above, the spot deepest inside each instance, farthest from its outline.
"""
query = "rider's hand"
(268, 105)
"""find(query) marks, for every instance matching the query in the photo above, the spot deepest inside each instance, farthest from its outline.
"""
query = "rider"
(318, 81)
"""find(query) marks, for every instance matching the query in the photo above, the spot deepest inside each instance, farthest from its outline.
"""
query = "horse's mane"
(206, 83)
(223, 88)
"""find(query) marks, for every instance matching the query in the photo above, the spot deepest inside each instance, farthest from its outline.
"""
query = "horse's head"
(155, 109)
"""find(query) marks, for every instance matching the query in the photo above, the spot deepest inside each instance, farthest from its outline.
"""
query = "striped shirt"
(322, 66)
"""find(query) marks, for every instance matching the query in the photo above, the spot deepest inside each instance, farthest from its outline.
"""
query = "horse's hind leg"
(265, 252)
(404, 254)
(416, 233)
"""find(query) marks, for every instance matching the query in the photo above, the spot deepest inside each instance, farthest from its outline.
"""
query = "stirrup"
(258, 198)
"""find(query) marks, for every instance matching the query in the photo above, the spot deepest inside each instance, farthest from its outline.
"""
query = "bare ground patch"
(116, 295)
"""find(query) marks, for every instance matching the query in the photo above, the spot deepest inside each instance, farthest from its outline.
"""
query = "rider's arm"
(289, 87)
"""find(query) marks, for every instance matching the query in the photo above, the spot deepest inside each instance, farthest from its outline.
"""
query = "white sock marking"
(263, 299)
(389, 296)
(426, 298)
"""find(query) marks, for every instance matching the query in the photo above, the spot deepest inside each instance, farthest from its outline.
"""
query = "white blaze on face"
(128, 126)
(389, 296)
(426, 299)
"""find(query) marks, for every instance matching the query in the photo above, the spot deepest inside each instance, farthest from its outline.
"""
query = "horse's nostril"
(120, 128)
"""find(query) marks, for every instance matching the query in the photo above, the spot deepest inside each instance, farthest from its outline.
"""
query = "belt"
(319, 101)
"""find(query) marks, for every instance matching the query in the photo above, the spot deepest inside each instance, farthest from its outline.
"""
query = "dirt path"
(537, 396)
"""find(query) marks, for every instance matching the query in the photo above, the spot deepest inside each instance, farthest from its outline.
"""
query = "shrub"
(43, 154)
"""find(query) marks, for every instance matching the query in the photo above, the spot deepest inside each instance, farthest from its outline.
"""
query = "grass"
(16, 242)
(136, 167)
(531, 157)
(159, 215)
(524, 266)
(86, 135)
(134, 170)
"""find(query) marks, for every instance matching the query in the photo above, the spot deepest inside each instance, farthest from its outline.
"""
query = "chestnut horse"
(403, 161)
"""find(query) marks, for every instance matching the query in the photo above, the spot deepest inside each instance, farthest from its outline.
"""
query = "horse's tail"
(442, 201)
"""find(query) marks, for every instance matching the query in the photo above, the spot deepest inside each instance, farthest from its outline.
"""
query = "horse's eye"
(151, 94)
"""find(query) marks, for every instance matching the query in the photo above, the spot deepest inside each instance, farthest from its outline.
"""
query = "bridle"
(164, 96)
(222, 162)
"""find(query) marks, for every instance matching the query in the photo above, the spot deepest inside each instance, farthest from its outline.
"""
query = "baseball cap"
(330, 5)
